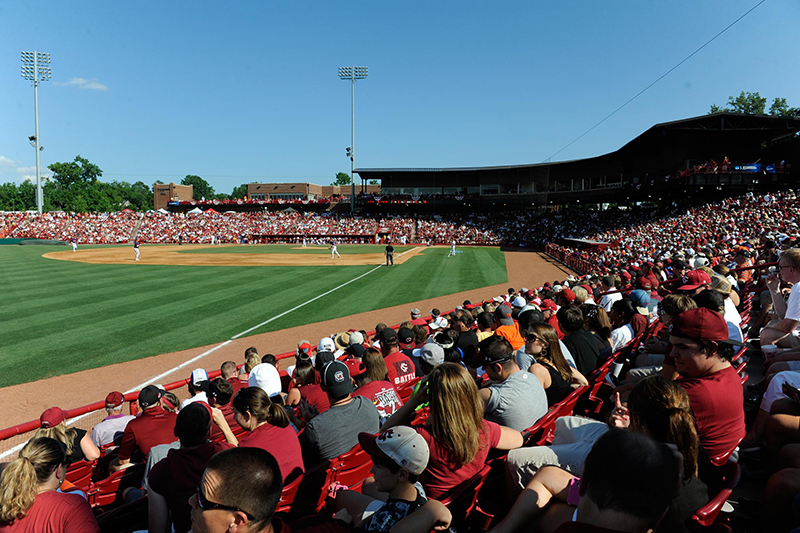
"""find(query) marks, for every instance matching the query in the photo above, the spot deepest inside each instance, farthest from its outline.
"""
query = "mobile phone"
(791, 391)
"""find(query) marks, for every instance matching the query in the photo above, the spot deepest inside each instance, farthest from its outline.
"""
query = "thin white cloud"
(6, 162)
(83, 83)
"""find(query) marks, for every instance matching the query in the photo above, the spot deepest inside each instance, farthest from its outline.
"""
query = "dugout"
(669, 162)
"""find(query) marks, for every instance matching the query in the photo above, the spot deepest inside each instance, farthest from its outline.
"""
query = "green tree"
(201, 190)
(239, 192)
(342, 178)
(74, 186)
(374, 182)
(781, 108)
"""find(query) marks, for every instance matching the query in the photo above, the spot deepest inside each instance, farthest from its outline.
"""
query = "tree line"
(75, 186)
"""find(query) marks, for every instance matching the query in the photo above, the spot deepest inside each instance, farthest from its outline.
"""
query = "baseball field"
(64, 312)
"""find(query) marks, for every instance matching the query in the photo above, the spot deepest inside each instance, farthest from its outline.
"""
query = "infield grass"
(59, 317)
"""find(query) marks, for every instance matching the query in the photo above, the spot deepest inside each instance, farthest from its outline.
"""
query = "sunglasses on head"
(207, 505)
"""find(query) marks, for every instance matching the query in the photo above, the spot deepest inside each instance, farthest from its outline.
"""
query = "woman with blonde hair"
(78, 442)
(29, 497)
(457, 435)
(268, 425)
(551, 368)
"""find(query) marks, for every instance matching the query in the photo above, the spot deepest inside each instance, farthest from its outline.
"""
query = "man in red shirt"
(154, 426)
(220, 397)
(400, 367)
(549, 309)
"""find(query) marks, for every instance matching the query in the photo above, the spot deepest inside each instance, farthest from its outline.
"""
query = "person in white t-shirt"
(784, 332)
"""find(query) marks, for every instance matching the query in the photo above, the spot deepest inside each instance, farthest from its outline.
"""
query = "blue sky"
(247, 91)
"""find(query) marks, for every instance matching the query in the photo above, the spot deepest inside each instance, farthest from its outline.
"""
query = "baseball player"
(334, 251)
(74, 242)
(389, 254)
(452, 249)
(136, 248)
(304, 241)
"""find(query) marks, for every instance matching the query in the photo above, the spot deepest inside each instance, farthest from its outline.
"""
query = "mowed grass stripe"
(84, 316)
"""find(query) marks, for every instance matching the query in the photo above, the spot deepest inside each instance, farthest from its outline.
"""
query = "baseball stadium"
(441, 339)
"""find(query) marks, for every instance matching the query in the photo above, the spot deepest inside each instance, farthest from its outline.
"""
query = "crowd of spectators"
(665, 285)
(88, 228)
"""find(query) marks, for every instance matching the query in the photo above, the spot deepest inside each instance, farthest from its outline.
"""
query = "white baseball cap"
(400, 444)
(198, 375)
(326, 344)
(266, 377)
(439, 323)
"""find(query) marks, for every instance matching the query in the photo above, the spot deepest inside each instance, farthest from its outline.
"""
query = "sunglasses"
(207, 505)
(531, 337)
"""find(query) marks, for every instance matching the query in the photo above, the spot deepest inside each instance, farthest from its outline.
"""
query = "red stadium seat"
(79, 473)
(108, 492)
(542, 432)
(462, 501)
(730, 474)
(407, 389)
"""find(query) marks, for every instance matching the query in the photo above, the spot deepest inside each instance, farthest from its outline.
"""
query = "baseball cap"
(503, 315)
(644, 283)
(266, 377)
(721, 284)
(356, 338)
(569, 294)
(115, 399)
(387, 335)
(149, 396)
(415, 313)
(336, 379)
(400, 444)
(356, 350)
(548, 305)
(198, 375)
(432, 353)
(438, 323)
(694, 279)
(406, 338)
(52, 417)
(703, 324)
(355, 367)
(326, 344)
(304, 348)
(519, 301)
(641, 300)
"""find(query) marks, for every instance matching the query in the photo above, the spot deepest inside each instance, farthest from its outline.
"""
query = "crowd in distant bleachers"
(90, 228)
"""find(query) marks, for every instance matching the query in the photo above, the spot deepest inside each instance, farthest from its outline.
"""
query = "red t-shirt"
(237, 385)
(717, 402)
(282, 443)
(511, 333)
(176, 478)
(56, 512)
(639, 324)
(553, 321)
(214, 433)
(400, 367)
(155, 426)
(442, 475)
(315, 396)
(383, 395)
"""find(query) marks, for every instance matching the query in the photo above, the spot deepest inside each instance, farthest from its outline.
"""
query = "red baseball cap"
(114, 399)
(644, 283)
(52, 417)
(703, 324)
(355, 367)
(694, 279)
(626, 275)
(548, 305)
(568, 294)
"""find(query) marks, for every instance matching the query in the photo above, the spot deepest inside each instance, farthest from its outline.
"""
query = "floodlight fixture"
(353, 73)
(35, 68)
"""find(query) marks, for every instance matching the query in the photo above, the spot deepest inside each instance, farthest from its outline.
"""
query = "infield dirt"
(25, 402)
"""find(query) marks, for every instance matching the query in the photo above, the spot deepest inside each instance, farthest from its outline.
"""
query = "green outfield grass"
(59, 317)
(343, 249)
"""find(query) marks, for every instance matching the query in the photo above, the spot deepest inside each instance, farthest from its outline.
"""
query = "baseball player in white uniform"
(136, 248)
(334, 251)
(452, 249)
(74, 244)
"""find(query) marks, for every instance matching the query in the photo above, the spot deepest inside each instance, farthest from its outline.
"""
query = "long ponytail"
(19, 482)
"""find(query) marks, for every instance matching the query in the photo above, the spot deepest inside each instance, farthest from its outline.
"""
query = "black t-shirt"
(468, 342)
(389, 249)
(583, 347)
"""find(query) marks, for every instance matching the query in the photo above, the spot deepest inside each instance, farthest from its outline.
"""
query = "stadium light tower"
(36, 69)
(352, 74)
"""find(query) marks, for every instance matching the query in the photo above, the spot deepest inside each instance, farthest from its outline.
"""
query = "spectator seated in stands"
(268, 426)
(29, 495)
(399, 455)
(79, 443)
(173, 480)
(334, 432)
(715, 301)
(550, 367)
(505, 327)
(622, 312)
(220, 398)
(458, 445)
(514, 398)
(581, 344)
(657, 345)
(112, 426)
(783, 332)
(153, 427)
(199, 386)
(372, 381)
(598, 324)
(400, 367)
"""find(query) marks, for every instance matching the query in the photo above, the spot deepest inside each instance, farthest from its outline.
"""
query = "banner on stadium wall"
(748, 167)
(770, 169)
